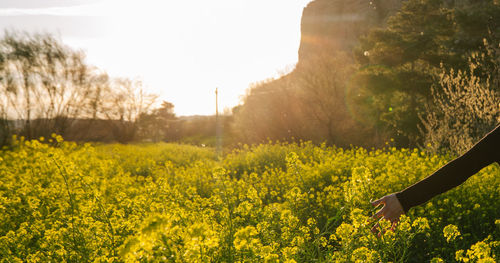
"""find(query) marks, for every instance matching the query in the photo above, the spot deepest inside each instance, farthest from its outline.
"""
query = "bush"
(465, 109)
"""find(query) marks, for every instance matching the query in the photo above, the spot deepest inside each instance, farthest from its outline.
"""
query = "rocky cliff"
(331, 25)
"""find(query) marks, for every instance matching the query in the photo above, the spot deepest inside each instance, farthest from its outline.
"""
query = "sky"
(182, 50)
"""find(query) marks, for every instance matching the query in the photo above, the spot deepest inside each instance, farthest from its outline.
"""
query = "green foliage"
(401, 62)
(64, 202)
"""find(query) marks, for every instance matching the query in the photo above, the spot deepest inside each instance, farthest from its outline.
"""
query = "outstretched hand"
(391, 210)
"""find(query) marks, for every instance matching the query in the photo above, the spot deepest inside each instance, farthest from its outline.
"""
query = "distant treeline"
(47, 87)
(424, 76)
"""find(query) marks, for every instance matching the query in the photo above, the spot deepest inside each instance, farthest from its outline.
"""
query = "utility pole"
(216, 102)
(218, 138)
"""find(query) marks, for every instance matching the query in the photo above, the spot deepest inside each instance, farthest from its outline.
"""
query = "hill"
(333, 25)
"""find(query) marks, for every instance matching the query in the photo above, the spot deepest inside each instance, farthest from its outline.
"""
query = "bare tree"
(322, 82)
(124, 102)
(307, 104)
(45, 85)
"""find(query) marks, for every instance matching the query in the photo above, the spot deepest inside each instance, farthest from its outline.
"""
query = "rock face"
(332, 25)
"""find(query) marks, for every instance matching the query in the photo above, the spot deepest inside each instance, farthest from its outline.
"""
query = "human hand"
(391, 210)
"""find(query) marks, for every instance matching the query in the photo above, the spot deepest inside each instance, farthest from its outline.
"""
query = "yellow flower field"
(63, 202)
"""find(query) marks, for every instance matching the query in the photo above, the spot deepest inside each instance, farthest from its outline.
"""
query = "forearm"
(447, 177)
(485, 152)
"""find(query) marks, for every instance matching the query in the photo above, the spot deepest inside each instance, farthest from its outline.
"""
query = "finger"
(375, 216)
(379, 214)
(394, 224)
(377, 202)
(392, 216)
(375, 228)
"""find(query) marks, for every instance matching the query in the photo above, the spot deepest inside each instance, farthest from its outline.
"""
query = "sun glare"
(183, 50)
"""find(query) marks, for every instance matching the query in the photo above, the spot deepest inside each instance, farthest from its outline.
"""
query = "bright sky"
(181, 49)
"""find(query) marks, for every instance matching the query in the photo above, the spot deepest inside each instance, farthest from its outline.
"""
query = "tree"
(270, 112)
(308, 104)
(160, 124)
(399, 63)
(321, 83)
(125, 102)
(45, 85)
